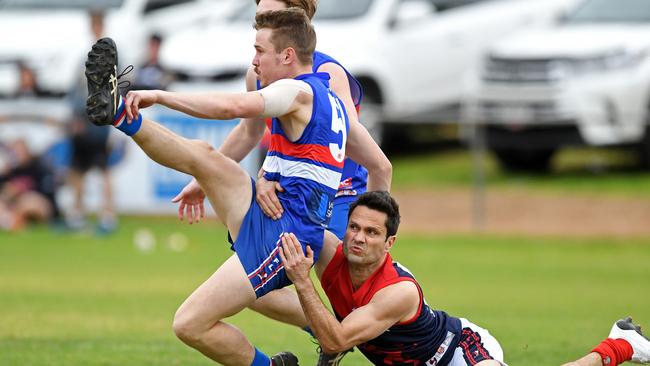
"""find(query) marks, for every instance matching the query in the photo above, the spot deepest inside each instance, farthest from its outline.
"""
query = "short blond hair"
(291, 28)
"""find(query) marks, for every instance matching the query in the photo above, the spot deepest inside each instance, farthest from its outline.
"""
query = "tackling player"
(379, 306)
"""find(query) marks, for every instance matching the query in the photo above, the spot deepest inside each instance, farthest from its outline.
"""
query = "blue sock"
(260, 359)
(308, 330)
(121, 123)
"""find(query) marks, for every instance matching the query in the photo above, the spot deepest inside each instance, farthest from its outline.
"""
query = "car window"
(595, 11)
(153, 5)
(59, 4)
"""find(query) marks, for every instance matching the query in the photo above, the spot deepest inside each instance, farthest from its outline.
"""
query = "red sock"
(614, 351)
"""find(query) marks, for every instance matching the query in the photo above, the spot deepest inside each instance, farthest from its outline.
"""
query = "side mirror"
(411, 12)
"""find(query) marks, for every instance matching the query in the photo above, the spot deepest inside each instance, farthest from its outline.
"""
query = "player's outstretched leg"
(198, 322)
(625, 343)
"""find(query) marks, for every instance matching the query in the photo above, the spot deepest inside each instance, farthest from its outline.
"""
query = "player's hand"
(191, 202)
(136, 99)
(267, 197)
(296, 264)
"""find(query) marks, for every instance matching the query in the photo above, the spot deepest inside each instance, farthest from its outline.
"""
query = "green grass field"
(74, 299)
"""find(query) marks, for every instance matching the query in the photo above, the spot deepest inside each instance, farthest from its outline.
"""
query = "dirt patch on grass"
(520, 212)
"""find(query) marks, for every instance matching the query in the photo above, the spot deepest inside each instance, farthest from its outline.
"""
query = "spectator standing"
(28, 86)
(90, 149)
(152, 75)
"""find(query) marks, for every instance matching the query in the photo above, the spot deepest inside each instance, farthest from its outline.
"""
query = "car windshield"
(327, 9)
(611, 11)
(59, 4)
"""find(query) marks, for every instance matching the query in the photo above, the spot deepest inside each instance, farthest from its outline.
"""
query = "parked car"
(53, 36)
(411, 56)
(583, 81)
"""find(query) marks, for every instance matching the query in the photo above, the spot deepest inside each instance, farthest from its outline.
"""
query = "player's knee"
(185, 328)
(201, 157)
(203, 146)
(208, 160)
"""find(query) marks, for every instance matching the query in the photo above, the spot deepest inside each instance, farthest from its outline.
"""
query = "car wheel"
(371, 117)
(643, 150)
(519, 160)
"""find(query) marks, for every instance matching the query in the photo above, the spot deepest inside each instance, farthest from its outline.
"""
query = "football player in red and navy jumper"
(378, 304)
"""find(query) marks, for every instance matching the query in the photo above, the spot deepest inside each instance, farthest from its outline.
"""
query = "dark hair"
(155, 37)
(291, 28)
(383, 202)
(309, 6)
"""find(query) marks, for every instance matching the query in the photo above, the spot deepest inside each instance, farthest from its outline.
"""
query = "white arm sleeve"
(279, 96)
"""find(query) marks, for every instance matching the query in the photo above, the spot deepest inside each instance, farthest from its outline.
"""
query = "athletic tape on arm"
(279, 96)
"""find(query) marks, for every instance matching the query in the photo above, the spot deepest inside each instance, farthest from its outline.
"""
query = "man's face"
(264, 62)
(268, 5)
(267, 62)
(365, 239)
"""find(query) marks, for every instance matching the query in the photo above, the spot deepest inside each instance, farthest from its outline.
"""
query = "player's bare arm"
(289, 100)
(365, 151)
(360, 145)
(213, 105)
(393, 304)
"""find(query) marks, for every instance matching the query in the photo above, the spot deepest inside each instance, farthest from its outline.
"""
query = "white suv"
(585, 80)
(53, 36)
(411, 56)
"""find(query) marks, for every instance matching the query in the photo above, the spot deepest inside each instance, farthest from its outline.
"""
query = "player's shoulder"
(403, 295)
(401, 285)
(332, 68)
(291, 84)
